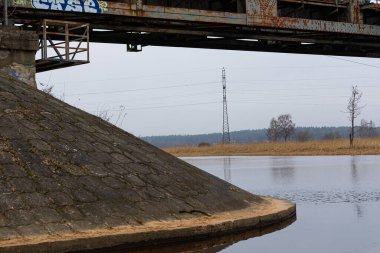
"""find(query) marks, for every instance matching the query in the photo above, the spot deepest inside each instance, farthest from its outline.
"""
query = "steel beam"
(354, 34)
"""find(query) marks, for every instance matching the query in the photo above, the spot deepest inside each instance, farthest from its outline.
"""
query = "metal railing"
(64, 41)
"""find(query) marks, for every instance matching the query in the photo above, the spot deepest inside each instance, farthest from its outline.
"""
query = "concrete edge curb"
(253, 217)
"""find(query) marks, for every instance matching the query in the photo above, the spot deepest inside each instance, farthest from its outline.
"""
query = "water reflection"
(338, 200)
(282, 169)
(227, 169)
(359, 211)
(199, 245)
(354, 171)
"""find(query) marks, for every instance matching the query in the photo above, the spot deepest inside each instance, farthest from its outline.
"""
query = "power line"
(236, 81)
(142, 89)
(205, 70)
(279, 102)
(202, 70)
(156, 97)
(306, 79)
(159, 107)
(137, 77)
(356, 62)
(290, 67)
(209, 83)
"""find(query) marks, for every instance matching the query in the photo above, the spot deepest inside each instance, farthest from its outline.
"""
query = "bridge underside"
(327, 27)
(261, 42)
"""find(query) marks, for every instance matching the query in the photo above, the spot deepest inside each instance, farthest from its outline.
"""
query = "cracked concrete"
(71, 181)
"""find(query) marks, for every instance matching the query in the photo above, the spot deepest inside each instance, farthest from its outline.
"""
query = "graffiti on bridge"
(87, 6)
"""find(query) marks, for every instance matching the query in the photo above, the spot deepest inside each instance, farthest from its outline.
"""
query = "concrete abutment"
(17, 54)
(70, 181)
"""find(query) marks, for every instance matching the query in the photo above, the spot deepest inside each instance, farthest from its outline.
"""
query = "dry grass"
(310, 148)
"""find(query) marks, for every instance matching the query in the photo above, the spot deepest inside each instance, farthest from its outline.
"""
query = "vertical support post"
(266, 9)
(137, 5)
(5, 9)
(44, 41)
(88, 43)
(354, 14)
(67, 45)
(240, 6)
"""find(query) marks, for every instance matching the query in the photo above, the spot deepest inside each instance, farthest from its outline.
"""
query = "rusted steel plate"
(330, 3)
(371, 6)
(262, 7)
(313, 25)
(193, 15)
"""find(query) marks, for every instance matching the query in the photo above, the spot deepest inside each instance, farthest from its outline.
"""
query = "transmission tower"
(226, 128)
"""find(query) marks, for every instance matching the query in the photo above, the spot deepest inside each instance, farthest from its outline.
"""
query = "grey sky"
(179, 91)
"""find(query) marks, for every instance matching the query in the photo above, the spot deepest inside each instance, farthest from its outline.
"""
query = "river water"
(338, 200)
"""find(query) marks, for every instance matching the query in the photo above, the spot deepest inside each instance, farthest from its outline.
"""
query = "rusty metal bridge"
(327, 27)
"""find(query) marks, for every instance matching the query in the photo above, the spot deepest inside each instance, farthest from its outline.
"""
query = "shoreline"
(309, 148)
(277, 155)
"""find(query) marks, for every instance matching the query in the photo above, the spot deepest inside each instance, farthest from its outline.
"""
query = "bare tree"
(363, 130)
(282, 127)
(354, 110)
(273, 132)
(367, 129)
(286, 126)
(372, 132)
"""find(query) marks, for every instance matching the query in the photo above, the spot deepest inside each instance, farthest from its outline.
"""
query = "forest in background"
(247, 136)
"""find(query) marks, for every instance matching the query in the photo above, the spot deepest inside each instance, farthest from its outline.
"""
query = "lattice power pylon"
(226, 128)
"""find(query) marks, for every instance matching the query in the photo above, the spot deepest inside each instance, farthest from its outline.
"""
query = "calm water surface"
(338, 200)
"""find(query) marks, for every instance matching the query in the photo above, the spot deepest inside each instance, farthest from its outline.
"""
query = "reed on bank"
(309, 148)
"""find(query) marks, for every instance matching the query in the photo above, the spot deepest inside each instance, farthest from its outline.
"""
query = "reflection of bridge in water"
(337, 27)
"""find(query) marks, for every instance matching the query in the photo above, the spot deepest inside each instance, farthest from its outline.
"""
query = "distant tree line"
(283, 128)
(259, 135)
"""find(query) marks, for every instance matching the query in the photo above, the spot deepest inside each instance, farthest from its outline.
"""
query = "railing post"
(44, 41)
(88, 42)
(67, 45)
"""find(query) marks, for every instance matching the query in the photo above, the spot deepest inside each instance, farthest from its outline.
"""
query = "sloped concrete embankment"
(70, 181)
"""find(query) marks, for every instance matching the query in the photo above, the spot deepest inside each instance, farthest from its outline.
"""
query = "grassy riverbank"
(309, 148)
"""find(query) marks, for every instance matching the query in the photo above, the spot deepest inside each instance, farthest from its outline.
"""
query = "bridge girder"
(328, 27)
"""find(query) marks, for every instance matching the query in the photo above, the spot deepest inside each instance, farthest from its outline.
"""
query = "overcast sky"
(179, 91)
